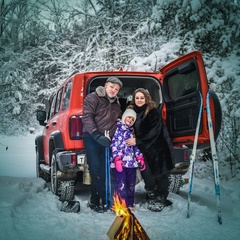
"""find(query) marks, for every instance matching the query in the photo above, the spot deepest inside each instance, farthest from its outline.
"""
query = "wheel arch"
(55, 144)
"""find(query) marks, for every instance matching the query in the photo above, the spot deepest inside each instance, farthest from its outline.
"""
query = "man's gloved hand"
(106, 134)
(141, 163)
(104, 141)
(118, 164)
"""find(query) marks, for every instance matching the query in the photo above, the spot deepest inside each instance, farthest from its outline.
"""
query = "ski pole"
(193, 156)
(214, 160)
(108, 178)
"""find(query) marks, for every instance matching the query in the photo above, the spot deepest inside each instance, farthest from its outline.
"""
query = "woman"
(154, 142)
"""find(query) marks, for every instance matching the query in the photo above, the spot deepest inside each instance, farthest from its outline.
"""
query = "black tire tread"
(175, 182)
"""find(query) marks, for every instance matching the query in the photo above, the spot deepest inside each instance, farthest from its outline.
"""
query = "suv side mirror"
(41, 117)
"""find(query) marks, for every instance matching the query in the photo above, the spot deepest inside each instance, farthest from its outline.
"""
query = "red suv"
(60, 155)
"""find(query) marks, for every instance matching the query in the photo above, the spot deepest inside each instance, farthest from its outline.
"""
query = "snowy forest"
(43, 41)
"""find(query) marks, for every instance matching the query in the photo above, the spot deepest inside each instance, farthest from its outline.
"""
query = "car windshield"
(130, 84)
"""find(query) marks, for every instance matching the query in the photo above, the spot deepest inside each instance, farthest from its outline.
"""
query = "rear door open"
(183, 80)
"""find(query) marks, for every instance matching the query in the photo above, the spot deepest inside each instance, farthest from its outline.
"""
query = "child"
(125, 159)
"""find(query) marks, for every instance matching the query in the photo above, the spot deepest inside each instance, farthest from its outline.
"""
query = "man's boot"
(156, 202)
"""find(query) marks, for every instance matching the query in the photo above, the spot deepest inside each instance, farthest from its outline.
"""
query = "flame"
(120, 206)
(128, 227)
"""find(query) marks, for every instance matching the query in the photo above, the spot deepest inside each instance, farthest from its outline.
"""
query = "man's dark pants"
(96, 160)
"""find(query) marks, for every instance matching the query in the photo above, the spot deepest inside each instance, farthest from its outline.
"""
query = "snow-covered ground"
(29, 211)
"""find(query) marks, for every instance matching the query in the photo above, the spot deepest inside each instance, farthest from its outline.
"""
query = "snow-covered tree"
(43, 42)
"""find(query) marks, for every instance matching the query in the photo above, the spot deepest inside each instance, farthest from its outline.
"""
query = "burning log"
(125, 226)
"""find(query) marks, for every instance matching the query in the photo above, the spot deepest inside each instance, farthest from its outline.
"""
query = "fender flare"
(57, 140)
(39, 147)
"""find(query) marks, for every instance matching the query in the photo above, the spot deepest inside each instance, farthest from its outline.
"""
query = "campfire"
(125, 226)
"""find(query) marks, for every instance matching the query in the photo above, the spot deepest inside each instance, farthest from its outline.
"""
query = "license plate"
(80, 159)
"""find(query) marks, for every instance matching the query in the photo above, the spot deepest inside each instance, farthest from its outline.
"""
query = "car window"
(58, 101)
(67, 94)
(182, 84)
(52, 104)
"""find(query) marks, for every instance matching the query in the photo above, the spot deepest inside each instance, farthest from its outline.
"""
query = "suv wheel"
(63, 189)
(175, 182)
(54, 178)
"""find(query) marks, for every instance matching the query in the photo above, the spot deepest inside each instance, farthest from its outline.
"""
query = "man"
(101, 110)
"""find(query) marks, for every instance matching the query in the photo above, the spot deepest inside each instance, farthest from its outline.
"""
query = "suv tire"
(67, 190)
(175, 182)
(63, 189)
(54, 178)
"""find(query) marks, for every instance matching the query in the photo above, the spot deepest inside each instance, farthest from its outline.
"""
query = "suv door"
(49, 127)
(183, 80)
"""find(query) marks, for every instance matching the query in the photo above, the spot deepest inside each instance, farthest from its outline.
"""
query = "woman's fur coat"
(153, 140)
